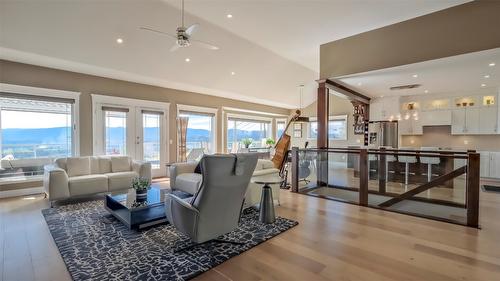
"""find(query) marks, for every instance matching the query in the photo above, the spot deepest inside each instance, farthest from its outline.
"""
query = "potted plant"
(270, 142)
(247, 142)
(141, 186)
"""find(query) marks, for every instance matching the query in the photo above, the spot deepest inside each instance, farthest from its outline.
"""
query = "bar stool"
(388, 158)
(430, 161)
(407, 160)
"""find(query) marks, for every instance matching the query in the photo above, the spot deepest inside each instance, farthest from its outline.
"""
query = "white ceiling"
(457, 74)
(272, 46)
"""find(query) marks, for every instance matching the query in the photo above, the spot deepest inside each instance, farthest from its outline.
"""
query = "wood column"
(322, 110)
(322, 141)
(472, 195)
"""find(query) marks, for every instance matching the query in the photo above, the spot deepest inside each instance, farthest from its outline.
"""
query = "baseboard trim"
(21, 192)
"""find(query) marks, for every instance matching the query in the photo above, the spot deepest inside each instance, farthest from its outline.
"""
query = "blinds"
(35, 98)
(248, 120)
(152, 112)
(115, 109)
(186, 112)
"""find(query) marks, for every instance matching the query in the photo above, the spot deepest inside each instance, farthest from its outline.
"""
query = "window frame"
(53, 93)
(49, 94)
(330, 118)
(202, 110)
(279, 120)
(249, 118)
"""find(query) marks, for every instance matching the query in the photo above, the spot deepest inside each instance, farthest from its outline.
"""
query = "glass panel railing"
(442, 185)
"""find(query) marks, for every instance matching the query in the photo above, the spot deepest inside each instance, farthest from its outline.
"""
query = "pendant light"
(299, 118)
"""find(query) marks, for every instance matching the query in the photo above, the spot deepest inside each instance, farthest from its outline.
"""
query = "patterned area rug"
(96, 246)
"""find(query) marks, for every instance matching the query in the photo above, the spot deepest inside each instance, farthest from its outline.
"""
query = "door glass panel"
(151, 136)
(115, 132)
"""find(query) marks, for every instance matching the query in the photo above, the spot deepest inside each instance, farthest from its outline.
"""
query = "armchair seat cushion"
(188, 182)
(120, 180)
(265, 172)
(88, 184)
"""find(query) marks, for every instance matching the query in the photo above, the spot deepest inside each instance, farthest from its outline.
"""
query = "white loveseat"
(183, 177)
(77, 176)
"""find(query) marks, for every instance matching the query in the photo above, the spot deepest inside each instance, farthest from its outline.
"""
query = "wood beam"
(349, 93)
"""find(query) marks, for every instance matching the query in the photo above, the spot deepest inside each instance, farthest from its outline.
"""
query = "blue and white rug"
(96, 246)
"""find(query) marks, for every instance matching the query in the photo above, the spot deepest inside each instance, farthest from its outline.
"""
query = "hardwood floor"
(334, 241)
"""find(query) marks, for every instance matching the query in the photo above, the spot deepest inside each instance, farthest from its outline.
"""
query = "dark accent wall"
(466, 28)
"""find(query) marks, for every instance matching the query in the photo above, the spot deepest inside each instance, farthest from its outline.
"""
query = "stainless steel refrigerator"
(383, 133)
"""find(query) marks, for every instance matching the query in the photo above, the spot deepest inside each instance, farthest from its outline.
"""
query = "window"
(280, 127)
(151, 124)
(115, 130)
(337, 128)
(200, 134)
(34, 131)
(254, 132)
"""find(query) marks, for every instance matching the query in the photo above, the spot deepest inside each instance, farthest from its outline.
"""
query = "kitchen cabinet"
(465, 121)
(436, 117)
(494, 165)
(410, 127)
(489, 164)
(488, 120)
(484, 159)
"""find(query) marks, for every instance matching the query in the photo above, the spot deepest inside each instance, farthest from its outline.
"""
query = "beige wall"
(440, 136)
(338, 106)
(466, 28)
(35, 76)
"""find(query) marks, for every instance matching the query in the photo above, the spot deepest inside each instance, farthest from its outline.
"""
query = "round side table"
(266, 212)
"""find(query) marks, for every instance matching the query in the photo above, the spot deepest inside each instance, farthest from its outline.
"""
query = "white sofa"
(77, 176)
(183, 177)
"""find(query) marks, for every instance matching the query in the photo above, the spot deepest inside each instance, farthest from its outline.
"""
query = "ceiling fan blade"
(203, 44)
(174, 48)
(190, 30)
(159, 32)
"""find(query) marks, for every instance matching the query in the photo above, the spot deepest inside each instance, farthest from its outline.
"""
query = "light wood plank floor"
(334, 241)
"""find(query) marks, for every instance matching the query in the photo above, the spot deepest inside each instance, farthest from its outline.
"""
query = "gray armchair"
(215, 208)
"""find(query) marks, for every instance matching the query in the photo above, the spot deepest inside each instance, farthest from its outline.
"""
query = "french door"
(136, 131)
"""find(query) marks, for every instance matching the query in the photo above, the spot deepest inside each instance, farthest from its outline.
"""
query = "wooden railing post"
(295, 169)
(472, 187)
(382, 170)
(363, 177)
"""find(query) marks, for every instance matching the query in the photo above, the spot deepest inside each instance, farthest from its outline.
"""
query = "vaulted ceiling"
(267, 48)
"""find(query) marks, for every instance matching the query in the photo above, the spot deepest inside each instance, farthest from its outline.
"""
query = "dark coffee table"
(137, 214)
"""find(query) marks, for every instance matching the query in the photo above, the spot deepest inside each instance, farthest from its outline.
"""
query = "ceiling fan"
(183, 35)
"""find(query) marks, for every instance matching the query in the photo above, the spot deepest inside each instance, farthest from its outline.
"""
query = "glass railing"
(442, 185)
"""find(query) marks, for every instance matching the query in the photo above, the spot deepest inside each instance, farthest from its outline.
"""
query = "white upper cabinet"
(488, 120)
(458, 122)
(472, 121)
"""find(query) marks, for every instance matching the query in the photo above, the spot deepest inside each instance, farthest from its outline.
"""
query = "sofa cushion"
(77, 166)
(188, 182)
(88, 184)
(120, 180)
(120, 164)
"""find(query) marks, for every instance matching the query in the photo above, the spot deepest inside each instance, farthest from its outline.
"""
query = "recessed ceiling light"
(359, 84)
(187, 59)
(415, 75)
(483, 85)
(229, 16)
(119, 40)
(426, 91)
(233, 73)
(382, 96)
(486, 76)
(492, 64)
